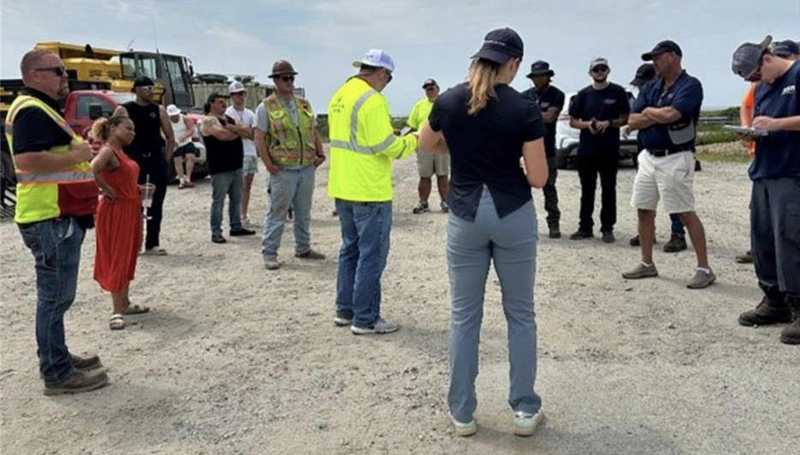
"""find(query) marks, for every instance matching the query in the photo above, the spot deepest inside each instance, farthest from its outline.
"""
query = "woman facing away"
(119, 216)
(494, 137)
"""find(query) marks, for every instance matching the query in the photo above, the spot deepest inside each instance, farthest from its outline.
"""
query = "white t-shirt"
(248, 118)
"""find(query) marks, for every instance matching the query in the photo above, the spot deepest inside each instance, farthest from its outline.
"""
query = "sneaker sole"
(342, 322)
(703, 286)
(529, 431)
(88, 388)
(639, 277)
(466, 431)
(363, 331)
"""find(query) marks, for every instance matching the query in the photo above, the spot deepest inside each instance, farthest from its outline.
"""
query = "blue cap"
(500, 45)
(786, 48)
(377, 59)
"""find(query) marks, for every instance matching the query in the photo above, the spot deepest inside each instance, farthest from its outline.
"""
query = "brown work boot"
(771, 310)
(80, 381)
(791, 334)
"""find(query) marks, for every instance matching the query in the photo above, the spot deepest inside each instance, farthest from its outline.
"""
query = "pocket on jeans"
(61, 229)
(363, 211)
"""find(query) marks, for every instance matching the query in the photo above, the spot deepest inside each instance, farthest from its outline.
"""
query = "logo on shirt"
(788, 90)
(152, 115)
(610, 101)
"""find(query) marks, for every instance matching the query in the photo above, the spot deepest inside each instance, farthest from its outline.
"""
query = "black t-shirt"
(485, 148)
(34, 131)
(550, 97)
(147, 121)
(224, 156)
(607, 104)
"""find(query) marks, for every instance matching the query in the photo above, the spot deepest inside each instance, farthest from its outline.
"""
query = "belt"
(665, 152)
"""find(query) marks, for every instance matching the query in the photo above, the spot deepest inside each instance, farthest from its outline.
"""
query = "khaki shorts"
(669, 178)
(433, 163)
(250, 165)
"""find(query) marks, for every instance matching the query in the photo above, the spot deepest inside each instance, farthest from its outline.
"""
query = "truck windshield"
(122, 98)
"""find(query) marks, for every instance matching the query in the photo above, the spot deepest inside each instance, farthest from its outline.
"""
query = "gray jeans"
(471, 247)
(230, 184)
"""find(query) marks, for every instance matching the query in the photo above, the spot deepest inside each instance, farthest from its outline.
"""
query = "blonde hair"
(101, 128)
(482, 78)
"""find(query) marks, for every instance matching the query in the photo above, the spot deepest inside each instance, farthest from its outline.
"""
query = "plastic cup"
(147, 195)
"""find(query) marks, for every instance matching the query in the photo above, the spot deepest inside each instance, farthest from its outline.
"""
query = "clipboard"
(753, 132)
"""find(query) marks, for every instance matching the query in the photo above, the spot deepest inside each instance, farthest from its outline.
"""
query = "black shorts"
(186, 149)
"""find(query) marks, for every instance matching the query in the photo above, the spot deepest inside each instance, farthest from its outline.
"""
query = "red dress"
(118, 227)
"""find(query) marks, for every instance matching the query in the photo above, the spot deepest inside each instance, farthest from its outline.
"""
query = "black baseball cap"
(540, 68)
(786, 48)
(747, 57)
(500, 45)
(662, 47)
(644, 74)
(142, 81)
(429, 82)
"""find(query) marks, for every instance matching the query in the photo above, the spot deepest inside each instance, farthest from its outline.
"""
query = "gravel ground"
(235, 359)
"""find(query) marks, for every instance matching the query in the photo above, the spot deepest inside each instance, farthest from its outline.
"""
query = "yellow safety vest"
(363, 144)
(290, 144)
(420, 113)
(70, 191)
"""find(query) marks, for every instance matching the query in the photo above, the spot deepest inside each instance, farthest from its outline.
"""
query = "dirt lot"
(235, 359)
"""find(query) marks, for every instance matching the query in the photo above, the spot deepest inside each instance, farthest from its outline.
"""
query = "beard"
(600, 80)
(63, 90)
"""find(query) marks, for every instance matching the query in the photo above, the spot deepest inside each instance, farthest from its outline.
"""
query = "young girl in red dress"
(119, 216)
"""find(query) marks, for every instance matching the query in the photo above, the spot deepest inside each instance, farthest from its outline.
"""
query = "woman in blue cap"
(495, 139)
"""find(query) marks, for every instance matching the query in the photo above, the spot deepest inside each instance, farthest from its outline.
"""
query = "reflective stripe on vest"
(55, 177)
(353, 144)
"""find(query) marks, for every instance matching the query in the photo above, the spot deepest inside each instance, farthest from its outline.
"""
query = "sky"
(426, 38)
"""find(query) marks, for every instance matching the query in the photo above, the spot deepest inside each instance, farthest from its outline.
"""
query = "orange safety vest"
(70, 191)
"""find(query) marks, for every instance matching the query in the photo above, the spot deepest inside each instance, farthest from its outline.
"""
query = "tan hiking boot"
(641, 271)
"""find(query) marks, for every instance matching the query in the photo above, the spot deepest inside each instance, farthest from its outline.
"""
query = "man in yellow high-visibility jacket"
(363, 146)
(56, 200)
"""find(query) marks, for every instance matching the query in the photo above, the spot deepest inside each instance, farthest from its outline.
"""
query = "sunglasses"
(146, 88)
(390, 76)
(286, 78)
(59, 71)
(600, 69)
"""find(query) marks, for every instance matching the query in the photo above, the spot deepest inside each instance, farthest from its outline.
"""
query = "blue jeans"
(366, 228)
(289, 188)
(677, 225)
(230, 184)
(510, 243)
(56, 248)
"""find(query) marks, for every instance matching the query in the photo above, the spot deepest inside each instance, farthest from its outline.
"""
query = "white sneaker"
(525, 424)
(379, 328)
(465, 429)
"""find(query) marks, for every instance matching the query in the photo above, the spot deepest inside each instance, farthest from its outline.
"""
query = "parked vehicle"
(568, 138)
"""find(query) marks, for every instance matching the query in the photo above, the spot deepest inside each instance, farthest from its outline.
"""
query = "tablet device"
(754, 132)
(405, 130)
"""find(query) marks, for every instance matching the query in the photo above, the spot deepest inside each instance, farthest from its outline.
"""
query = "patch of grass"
(729, 152)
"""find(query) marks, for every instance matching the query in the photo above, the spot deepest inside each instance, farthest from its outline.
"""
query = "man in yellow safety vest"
(363, 146)
(56, 201)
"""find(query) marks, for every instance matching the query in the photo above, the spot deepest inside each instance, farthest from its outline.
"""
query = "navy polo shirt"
(485, 148)
(778, 154)
(609, 103)
(550, 97)
(685, 96)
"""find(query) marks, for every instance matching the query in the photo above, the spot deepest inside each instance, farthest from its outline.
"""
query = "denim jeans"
(230, 184)
(366, 228)
(289, 188)
(56, 248)
(471, 247)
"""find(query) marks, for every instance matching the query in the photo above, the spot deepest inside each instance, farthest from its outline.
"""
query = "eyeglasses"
(600, 69)
(59, 71)
(390, 76)
(286, 78)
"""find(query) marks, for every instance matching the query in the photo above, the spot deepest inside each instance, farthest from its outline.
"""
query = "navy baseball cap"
(429, 82)
(540, 68)
(786, 48)
(142, 81)
(747, 58)
(500, 45)
(662, 47)
(644, 74)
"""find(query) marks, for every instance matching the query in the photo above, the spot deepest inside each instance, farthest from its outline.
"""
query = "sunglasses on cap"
(285, 78)
(600, 69)
(59, 71)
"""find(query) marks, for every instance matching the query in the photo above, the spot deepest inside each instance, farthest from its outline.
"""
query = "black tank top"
(147, 121)
(223, 156)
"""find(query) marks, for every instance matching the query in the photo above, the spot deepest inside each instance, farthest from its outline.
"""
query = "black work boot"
(772, 309)
(791, 334)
